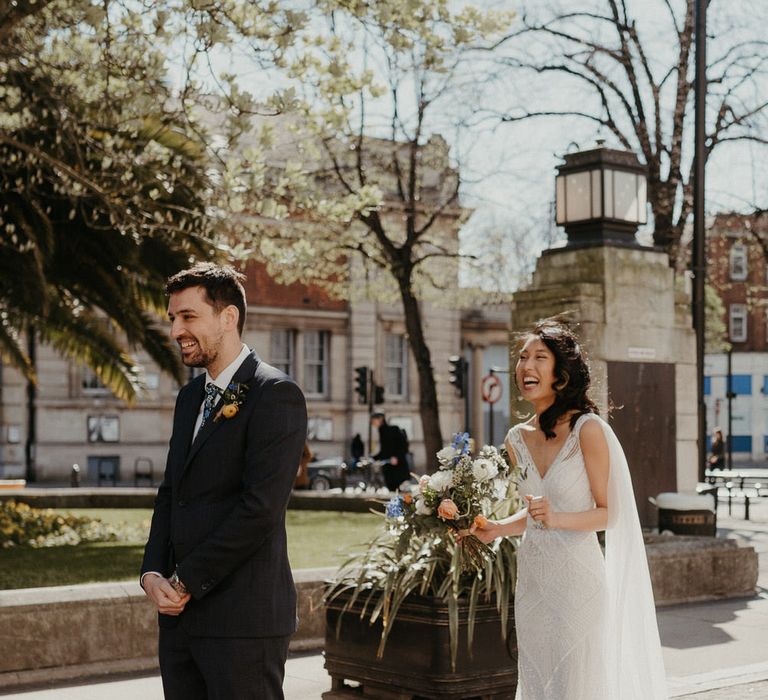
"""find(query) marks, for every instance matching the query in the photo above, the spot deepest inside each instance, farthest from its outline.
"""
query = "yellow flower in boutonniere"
(233, 398)
(230, 410)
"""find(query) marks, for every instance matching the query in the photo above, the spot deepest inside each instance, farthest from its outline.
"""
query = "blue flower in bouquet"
(395, 508)
(461, 443)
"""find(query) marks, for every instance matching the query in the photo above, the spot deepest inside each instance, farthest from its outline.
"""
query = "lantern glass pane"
(608, 194)
(578, 199)
(625, 196)
(642, 199)
(597, 191)
(560, 199)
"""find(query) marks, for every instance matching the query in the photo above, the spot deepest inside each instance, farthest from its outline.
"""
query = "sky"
(509, 168)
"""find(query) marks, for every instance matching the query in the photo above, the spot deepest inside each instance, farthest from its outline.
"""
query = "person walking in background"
(357, 449)
(717, 450)
(393, 450)
(216, 562)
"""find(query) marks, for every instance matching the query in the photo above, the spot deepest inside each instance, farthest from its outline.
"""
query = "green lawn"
(315, 539)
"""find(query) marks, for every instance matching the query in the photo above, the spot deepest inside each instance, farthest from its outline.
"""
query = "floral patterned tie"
(211, 394)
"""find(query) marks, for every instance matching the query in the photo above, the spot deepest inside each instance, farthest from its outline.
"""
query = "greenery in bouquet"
(419, 552)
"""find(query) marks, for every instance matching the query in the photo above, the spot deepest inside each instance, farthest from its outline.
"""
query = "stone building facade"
(317, 340)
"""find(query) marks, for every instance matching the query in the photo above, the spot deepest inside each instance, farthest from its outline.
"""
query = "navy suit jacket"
(219, 515)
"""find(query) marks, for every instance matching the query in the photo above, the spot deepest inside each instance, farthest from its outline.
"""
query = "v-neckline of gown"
(554, 461)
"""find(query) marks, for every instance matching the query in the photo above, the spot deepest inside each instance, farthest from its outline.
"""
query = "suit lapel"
(243, 375)
(188, 412)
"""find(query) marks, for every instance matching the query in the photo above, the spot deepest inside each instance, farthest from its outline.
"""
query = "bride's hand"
(485, 530)
(541, 511)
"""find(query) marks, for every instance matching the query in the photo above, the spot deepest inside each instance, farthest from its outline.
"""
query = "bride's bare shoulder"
(527, 426)
(591, 435)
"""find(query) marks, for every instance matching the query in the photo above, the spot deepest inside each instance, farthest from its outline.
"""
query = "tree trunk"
(662, 197)
(30, 446)
(428, 407)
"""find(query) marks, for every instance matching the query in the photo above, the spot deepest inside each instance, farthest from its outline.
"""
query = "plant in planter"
(417, 572)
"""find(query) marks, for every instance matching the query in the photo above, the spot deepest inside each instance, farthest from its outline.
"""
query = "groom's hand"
(165, 597)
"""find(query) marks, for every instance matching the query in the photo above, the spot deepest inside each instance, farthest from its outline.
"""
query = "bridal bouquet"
(418, 553)
(465, 490)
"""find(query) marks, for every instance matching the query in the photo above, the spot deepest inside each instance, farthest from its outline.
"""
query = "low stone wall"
(68, 632)
(144, 497)
(693, 569)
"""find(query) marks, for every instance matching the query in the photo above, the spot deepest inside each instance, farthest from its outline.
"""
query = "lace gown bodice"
(560, 597)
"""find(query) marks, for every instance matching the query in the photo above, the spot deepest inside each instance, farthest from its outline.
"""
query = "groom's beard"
(203, 355)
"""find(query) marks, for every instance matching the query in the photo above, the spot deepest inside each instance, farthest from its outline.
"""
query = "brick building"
(738, 270)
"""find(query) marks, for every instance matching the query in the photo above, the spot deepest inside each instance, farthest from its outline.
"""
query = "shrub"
(22, 525)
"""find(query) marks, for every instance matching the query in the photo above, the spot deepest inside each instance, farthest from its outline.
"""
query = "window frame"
(738, 311)
(324, 364)
(283, 362)
(738, 252)
(400, 366)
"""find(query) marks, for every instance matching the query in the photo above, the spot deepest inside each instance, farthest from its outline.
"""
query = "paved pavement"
(712, 651)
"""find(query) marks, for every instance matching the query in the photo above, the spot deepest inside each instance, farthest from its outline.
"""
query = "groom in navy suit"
(216, 563)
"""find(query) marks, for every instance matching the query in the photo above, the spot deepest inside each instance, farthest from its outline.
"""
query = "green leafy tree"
(367, 193)
(110, 179)
(715, 329)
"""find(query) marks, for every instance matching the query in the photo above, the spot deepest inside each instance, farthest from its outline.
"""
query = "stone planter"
(417, 657)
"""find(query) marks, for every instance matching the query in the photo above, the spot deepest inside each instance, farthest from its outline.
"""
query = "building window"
(741, 384)
(91, 384)
(738, 322)
(395, 366)
(320, 429)
(103, 428)
(316, 363)
(738, 261)
(282, 352)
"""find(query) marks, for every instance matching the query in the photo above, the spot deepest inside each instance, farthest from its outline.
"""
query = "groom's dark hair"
(223, 286)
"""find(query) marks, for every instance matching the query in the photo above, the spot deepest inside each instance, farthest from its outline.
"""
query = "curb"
(715, 680)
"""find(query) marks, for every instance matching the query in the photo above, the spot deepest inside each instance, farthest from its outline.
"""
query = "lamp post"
(699, 233)
(601, 197)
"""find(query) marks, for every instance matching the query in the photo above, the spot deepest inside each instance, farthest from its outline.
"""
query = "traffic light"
(361, 384)
(378, 394)
(458, 373)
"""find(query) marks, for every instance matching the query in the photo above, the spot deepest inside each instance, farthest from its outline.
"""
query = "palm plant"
(99, 204)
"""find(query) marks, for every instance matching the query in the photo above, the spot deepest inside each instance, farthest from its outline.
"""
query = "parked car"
(327, 473)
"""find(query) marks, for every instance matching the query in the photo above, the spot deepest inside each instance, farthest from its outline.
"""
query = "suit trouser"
(221, 668)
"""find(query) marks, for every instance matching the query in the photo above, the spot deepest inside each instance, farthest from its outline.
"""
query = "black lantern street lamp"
(601, 197)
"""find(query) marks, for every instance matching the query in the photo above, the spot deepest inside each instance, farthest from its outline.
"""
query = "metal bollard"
(74, 477)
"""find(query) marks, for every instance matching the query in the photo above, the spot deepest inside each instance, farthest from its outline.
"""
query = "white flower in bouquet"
(484, 469)
(446, 456)
(500, 487)
(440, 481)
(422, 508)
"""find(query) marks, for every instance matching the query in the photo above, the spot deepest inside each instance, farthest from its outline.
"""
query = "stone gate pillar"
(635, 324)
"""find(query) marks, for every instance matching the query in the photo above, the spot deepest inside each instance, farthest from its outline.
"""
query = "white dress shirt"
(222, 382)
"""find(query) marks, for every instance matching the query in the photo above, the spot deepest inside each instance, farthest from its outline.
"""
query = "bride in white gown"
(586, 623)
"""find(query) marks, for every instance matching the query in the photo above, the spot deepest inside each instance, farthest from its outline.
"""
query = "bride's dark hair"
(571, 374)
